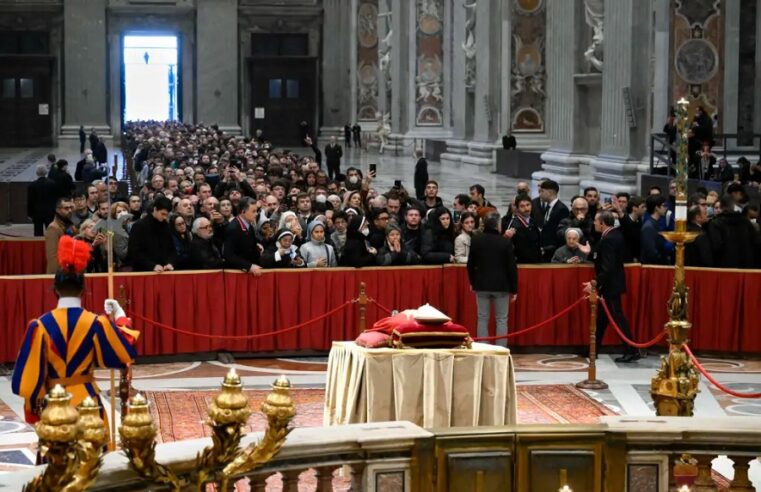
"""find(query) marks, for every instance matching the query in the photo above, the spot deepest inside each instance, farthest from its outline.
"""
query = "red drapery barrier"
(722, 305)
(22, 256)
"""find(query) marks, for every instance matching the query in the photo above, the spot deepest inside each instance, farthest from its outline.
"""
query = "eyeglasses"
(385, 217)
(205, 227)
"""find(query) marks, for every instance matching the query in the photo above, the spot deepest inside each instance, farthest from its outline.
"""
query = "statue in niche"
(469, 45)
(384, 51)
(594, 14)
(383, 130)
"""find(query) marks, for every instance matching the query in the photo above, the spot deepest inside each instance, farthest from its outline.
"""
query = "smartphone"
(398, 183)
(374, 169)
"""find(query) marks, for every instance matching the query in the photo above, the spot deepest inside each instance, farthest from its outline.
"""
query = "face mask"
(710, 211)
(365, 232)
(752, 221)
(353, 179)
(321, 199)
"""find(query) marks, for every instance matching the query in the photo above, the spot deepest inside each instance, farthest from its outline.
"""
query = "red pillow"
(373, 339)
(441, 335)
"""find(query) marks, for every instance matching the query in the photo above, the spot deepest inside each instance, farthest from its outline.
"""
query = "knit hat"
(392, 227)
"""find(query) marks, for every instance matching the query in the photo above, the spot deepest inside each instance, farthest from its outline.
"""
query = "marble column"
(661, 64)
(462, 117)
(217, 64)
(626, 61)
(757, 95)
(559, 162)
(85, 98)
(487, 88)
(337, 47)
(728, 115)
(402, 71)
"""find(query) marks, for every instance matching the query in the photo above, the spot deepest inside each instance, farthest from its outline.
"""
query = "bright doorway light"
(150, 77)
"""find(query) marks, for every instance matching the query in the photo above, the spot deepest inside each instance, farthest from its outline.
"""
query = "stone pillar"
(402, 70)
(757, 95)
(85, 98)
(626, 62)
(217, 64)
(337, 41)
(486, 96)
(728, 115)
(462, 116)
(559, 163)
(661, 68)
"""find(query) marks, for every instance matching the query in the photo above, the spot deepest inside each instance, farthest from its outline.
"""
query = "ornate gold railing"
(619, 454)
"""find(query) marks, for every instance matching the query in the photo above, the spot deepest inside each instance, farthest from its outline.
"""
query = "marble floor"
(628, 392)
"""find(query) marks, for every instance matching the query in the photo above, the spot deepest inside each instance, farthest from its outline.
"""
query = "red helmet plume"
(73, 255)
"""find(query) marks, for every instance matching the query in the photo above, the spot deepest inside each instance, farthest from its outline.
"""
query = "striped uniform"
(63, 346)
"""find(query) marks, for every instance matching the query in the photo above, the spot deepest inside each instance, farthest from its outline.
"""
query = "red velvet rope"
(713, 381)
(623, 337)
(538, 325)
(379, 305)
(242, 337)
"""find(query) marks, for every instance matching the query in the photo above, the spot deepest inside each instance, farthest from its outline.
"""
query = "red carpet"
(181, 414)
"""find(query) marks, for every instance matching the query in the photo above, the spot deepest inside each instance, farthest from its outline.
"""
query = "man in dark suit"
(333, 154)
(547, 212)
(525, 235)
(508, 141)
(493, 275)
(151, 248)
(40, 200)
(611, 280)
(421, 175)
(347, 135)
(241, 249)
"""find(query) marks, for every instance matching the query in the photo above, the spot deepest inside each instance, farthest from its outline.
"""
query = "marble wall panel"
(429, 66)
(368, 71)
(528, 75)
(697, 42)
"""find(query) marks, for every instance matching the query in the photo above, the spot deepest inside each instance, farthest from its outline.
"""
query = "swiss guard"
(65, 345)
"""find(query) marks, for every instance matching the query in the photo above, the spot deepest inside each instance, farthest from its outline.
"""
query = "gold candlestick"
(675, 385)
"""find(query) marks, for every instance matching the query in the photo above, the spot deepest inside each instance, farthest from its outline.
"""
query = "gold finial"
(138, 400)
(232, 378)
(282, 382)
(683, 101)
(58, 391)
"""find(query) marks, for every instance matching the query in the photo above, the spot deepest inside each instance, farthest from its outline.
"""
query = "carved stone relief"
(429, 72)
(594, 15)
(528, 73)
(367, 60)
(469, 45)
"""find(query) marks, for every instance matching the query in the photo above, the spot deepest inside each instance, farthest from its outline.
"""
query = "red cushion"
(387, 325)
(442, 335)
(373, 339)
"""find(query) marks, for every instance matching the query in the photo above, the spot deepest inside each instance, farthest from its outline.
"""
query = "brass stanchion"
(362, 301)
(125, 375)
(592, 382)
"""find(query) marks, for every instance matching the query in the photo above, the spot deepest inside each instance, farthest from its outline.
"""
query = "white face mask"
(365, 232)
(353, 179)
(321, 199)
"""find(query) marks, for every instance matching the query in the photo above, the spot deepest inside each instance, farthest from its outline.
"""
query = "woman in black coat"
(356, 252)
(437, 246)
(394, 252)
(181, 239)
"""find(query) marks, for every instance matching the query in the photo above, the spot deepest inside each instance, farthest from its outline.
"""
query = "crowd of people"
(206, 200)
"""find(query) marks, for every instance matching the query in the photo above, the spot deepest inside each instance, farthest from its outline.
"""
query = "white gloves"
(111, 306)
